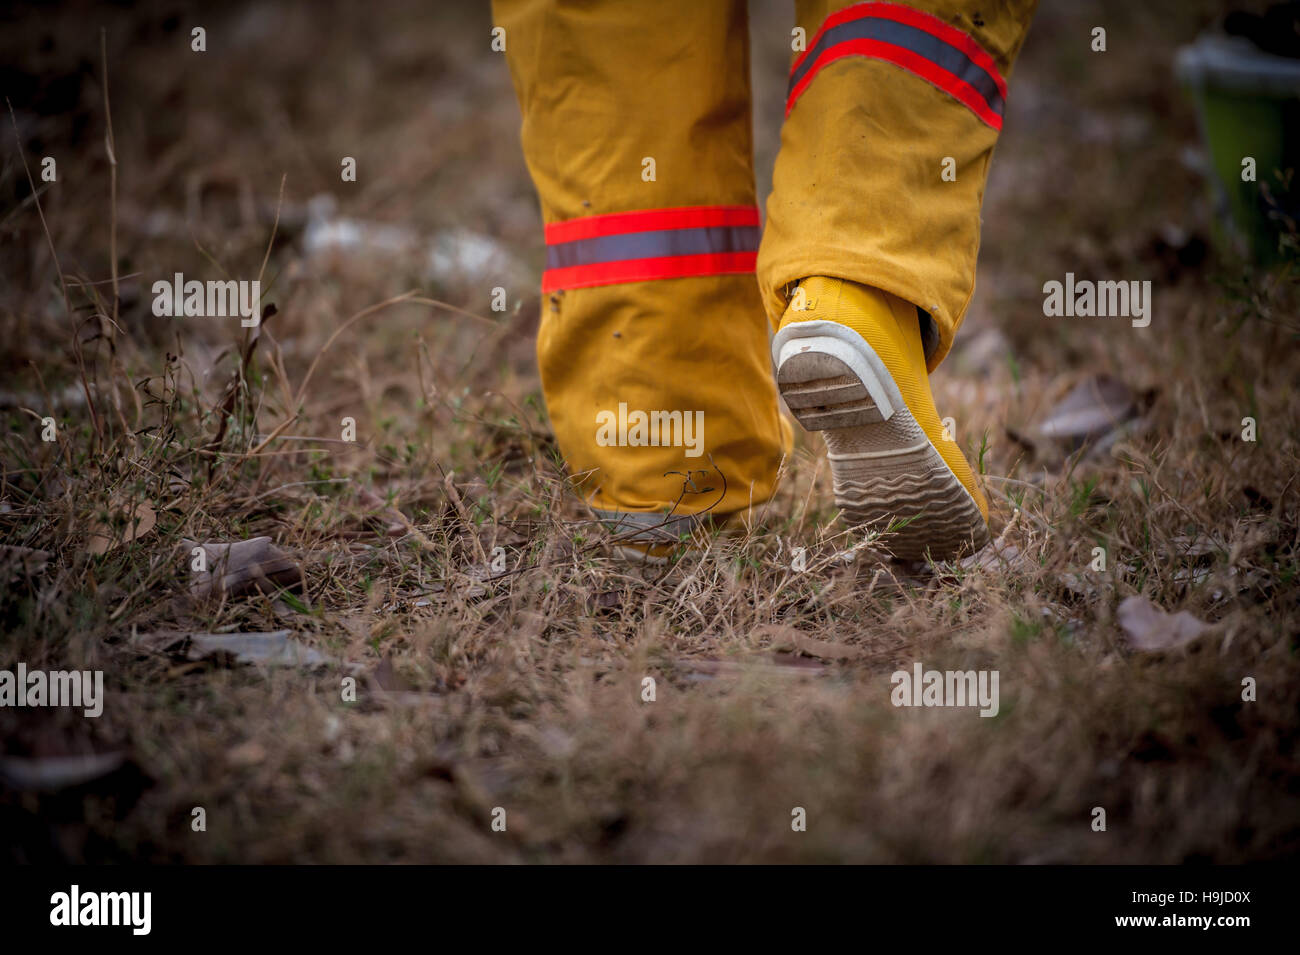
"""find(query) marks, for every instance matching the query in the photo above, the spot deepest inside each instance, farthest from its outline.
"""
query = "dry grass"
(524, 691)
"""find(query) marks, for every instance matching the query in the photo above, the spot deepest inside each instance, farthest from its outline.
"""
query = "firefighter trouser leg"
(892, 114)
(653, 347)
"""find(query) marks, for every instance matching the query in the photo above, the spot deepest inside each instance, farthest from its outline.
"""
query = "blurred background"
(442, 199)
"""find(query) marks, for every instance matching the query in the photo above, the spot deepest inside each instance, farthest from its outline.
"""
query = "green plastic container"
(1248, 104)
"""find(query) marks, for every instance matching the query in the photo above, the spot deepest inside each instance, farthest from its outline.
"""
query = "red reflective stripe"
(649, 220)
(912, 62)
(646, 270)
(917, 18)
(946, 32)
(834, 20)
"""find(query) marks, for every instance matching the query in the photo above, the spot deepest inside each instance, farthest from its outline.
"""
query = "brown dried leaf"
(135, 522)
(1150, 629)
(1092, 408)
(242, 567)
(53, 773)
(1186, 547)
(277, 648)
(387, 678)
(249, 753)
(605, 600)
(395, 523)
(796, 641)
(997, 556)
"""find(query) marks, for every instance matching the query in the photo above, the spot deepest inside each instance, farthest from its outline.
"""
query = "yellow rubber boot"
(850, 363)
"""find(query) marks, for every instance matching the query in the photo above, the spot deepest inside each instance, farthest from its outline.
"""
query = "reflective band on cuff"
(918, 42)
(650, 244)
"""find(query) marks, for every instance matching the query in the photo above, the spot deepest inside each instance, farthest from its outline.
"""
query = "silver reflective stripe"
(651, 244)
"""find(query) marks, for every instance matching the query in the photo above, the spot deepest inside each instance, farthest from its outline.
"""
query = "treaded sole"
(886, 471)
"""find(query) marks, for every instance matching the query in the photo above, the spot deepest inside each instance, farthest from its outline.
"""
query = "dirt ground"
(465, 645)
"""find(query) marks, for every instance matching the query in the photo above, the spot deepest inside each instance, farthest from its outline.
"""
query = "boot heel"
(822, 391)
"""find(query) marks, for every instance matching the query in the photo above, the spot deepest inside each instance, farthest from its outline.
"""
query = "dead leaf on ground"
(981, 353)
(249, 753)
(1089, 584)
(415, 600)
(242, 567)
(786, 638)
(998, 555)
(1150, 629)
(395, 523)
(604, 600)
(52, 773)
(387, 678)
(128, 522)
(1093, 408)
(1184, 546)
(277, 648)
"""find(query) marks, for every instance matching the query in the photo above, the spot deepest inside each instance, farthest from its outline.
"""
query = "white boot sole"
(886, 471)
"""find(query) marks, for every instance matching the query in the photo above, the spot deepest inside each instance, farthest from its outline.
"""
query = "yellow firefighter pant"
(653, 348)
